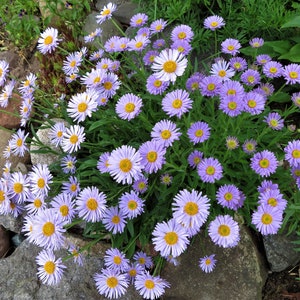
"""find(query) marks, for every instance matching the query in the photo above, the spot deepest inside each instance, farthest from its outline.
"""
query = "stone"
(125, 11)
(19, 279)
(280, 251)
(5, 244)
(9, 116)
(240, 272)
(11, 223)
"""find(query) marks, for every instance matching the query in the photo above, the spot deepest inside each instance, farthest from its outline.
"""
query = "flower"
(272, 69)
(274, 121)
(72, 138)
(102, 164)
(182, 46)
(158, 26)
(142, 259)
(182, 32)
(292, 153)
(77, 256)
(71, 63)
(249, 146)
(198, 132)
(159, 43)
(140, 185)
(56, 133)
(190, 209)
(111, 283)
(155, 86)
(232, 90)
(195, 158)
(263, 59)
(94, 78)
(4, 65)
(115, 259)
(273, 198)
(169, 64)
(139, 43)
(40, 178)
(193, 82)
(128, 106)
(50, 270)
(222, 70)
(229, 195)
(267, 219)
(34, 204)
(138, 20)
(230, 46)
(124, 164)
(166, 179)
(267, 185)
(149, 286)
(254, 103)
(166, 132)
(238, 63)
(71, 187)
(131, 204)
(18, 186)
(68, 164)
(132, 271)
(210, 170)
(148, 58)
(207, 263)
(250, 77)
(106, 13)
(224, 231)
(170, 238)
(256, 42)
(291, 73)
(91, 204)
(92, 35)
(65, 206)
(296, 99)
(210, 86)
(48, 40)
(264, 163)
(214, 22)
(114, 220)
(110, 85)
(232, 142)
(17, 143)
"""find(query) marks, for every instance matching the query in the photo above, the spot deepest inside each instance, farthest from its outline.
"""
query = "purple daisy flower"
(229, 196)
(193, 82)
(71, 187)
(158, 26)
(254, 103)
(273, 119)
(56, 133)
(272, 69)
(230, 46)
(210, 170)
(140, 185)
(166, 132)
(138, 20)
(265, 89)
(166, 179)
(256, 42)
(18, 187)
(210, 86)
(132, 271)
(238, 63)
(160, 43)
(182, 32)
(264, 163)
(273, 198)
(232, 89)
(148, 58)
(114, 220)
(68, 164)
(224, 231)
(214, 22)
(207, 263)
(295, 172)
(114, 259)
(131, 204)
(156, 86)
(64, 205)
(267, 185)
(144, 31)
(106, 12)
(198, 132)
(291, 73)
(222, 70)
(262, 59)
(292, 153)
(232, 142)
(139, 43)
(182, 46)
(102, 164)
(48, 41)
(110, 85)
(170, 238)
(195, 158)
(231, 106)
(72, 138)
(129, 106)
(249, 146)
(267, 219)
(250, 77)
(142, 259)
(296, 99)
(18, 144)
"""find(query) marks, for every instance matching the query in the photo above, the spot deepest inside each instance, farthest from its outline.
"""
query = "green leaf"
(293, 55)
(280, 47)
(280, 97)
(295, 22)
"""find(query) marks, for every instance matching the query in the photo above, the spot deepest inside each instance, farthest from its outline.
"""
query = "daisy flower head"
(68, 164)
(153, 156)
(65, 206)
(265, 89)
(230, 46)
(40, 178)
(249, 146)
(106, 13)
(15, 209)
(93, 79)
(78, 257)
(273, 198)
(115, 259)
(50, 269)
(182, 32)
(142, 259)
(132, 271)
(140, 185)
(18, 186)
(232, 142)
(274, 120)
(231, 106)
(92, 35)
(82, 105)
(195, 158)
(182, 46)
(91, 204)
(72, 138)
(291, 73)
(149, 56)
(238, 63)
(102, 164)
(156, 86)
(139, 43)
(296, 99)
(193, 82)
(104, 65)
(96, 55)
(190, 209)
(48, 41)
(158, 26)
(295, 172)
(111, 283)
(131, 204)
(72, 186)
(56, 133)
(210, 86)
(262, 59)
(224, 231)
(48, 229)
(18, 143)
(264, 163)
(272, 69)
(166, 179)
(166, 132)
(129, 106)
(34, 204)
(6, 93)
(250, 77)
(159, 43)
(256, 42)
(124, 164)
(207, 263)
(231, 90)
(144, 31)
(198, 132)
(214, 22)
(169, 64)
(114, 220)
(210, 170)
(3, 71)
(267, 219)
(229, 196)
(176, 103)
(267, 185)
(292, 153)
(71, 63)
(222, 70)
(110, 85)
(254, 103)
(138, 20)
(170, 238)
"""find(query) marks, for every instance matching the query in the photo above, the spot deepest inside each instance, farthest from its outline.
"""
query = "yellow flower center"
(170, 66)
(266, 219)
(59, 134)
(19, 142)
(73, 63)
(18, 187)
(273, 70)
(197, 160)
(152, 156)
(214, 24)
(181, 35)
(157, 83)
(272, 202)
(2, 196)
(232, 105)
(211, 86)
(125, 165)
(191, 208)
(252, 103)
(224, 230)
(231, 92)
(141, 185)
(129, 107)
(139, 21)
(138, 44)
(237, 65)
(112, 282)
(293, 75)
(41, 183)
(222, 73)
(166, 134)
(73, 187)
(73, 139)
(296, 153)
(49, 267)
(132, 272)
(132, 205)
(82, 107)
(116, 219)
(158, 27)
(37, 203)
(274, 123)
(264, 163)
(107, 85)
(97, 79)
(105, 12)
(92, 204)
(230, 47)
(210, 170)
(228, 196)
(250, 79)
(48, 40)
(207, 261)
(171, 238)
(64, 210)
(177, 103)
(48, 229)
(117, 260)
(199, 133)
